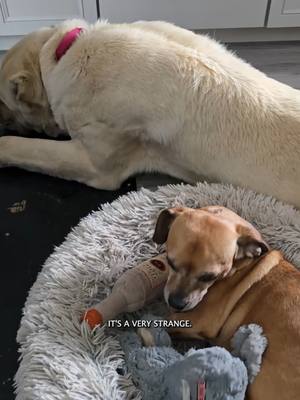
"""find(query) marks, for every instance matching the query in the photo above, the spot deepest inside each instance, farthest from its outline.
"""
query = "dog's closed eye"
(170, 262)
(207, 277)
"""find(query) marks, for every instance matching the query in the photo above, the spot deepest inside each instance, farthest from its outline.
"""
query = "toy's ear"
(164, 222)
(250, 244)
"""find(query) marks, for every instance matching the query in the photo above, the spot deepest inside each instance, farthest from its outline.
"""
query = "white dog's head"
(23, 99)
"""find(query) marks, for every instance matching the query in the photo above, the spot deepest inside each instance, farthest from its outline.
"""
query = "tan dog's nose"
(176, 301)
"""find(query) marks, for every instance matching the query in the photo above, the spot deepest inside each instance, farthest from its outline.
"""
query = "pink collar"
(66, 42)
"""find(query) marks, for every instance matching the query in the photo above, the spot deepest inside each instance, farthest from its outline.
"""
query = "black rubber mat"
(36, 213)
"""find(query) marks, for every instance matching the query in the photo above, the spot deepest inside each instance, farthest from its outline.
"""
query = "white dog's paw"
(5, 145)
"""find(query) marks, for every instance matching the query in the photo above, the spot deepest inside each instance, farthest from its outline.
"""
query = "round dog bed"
(61, 359)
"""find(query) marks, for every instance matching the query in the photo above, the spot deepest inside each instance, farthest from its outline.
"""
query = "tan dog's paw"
(146, 337)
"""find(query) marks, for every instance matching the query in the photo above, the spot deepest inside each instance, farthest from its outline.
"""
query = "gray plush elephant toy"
(162, 373)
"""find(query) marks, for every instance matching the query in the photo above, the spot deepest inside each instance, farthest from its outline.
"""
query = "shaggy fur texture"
(61, 359)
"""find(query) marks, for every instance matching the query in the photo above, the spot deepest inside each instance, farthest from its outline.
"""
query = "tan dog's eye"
(207, 277)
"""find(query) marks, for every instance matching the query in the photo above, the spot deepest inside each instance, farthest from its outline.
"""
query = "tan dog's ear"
(250, 243)
(22, 87)
(164, 222)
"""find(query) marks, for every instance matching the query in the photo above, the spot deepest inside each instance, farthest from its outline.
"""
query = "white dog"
(148, 96)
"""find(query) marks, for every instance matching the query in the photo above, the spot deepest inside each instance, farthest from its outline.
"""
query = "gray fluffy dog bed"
(61, 359)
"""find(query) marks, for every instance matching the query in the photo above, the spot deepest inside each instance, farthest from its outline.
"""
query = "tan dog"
(224, 274)
(148, 96)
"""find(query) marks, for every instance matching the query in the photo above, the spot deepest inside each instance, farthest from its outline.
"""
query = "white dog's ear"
(250, 244)
(22, 87)
(164, 222)
(6, 115)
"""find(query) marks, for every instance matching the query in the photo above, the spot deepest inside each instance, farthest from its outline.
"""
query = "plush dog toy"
(136, 288)
(212, 373)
